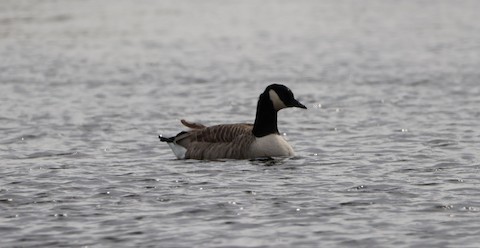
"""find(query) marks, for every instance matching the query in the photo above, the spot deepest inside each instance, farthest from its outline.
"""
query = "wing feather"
(214, 142)
(192, 125)
(220, 133)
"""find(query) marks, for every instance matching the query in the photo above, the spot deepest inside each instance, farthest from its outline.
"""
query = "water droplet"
(471, 209)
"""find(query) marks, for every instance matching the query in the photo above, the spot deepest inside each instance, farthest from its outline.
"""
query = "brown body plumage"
(220, 141)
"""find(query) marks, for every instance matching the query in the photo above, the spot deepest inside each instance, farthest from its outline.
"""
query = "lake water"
(387, 154)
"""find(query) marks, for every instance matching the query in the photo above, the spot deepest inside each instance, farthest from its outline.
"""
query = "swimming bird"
(242, 140)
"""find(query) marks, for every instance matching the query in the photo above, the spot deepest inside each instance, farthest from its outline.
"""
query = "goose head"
(282, 97)
(274, 98)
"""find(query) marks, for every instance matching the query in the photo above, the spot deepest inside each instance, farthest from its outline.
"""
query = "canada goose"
(239, 141)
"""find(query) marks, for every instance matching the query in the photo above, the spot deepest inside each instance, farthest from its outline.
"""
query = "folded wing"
(215, 142)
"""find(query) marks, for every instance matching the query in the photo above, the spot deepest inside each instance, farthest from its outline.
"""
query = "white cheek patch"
(277, 102)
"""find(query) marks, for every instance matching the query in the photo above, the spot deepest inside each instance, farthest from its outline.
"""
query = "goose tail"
(177, 149)
(168, 140)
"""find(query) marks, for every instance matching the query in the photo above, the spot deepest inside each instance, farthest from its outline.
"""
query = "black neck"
(266, 117)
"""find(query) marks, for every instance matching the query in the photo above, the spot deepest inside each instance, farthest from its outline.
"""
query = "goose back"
(215, 142)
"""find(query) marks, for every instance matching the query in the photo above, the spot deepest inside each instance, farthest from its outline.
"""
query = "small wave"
(47, 154)
(21, 138)
(357, 203)
(440, 143)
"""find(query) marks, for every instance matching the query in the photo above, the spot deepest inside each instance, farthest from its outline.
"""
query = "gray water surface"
(387, 154)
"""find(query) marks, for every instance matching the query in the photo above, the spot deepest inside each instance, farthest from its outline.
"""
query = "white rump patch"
(277, 102)
(178, 150)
